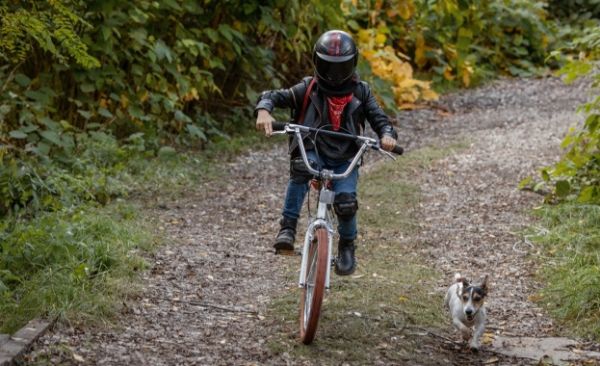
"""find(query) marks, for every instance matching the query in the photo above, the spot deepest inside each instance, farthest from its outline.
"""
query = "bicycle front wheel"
(314, 286)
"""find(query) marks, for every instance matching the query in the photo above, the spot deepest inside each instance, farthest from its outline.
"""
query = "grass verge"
(79, 256)
(570, 238)
(72, 265)
(366, 317)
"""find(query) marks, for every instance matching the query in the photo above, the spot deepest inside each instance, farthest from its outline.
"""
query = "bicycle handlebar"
(367, 142)
(281, 126)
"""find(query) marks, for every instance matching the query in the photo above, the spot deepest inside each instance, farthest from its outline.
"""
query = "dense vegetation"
(570, 229)
(98, 97)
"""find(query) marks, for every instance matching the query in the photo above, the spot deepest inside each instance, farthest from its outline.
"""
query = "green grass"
(77, 259)
(570, 239)
(365, 315)
(73, 265)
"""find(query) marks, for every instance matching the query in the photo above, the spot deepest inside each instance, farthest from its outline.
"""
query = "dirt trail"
(205, 300)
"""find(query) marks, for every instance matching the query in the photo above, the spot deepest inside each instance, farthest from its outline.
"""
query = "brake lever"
(385, 152)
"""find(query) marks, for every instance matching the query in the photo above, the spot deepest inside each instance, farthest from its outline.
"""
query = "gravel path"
(205, 300)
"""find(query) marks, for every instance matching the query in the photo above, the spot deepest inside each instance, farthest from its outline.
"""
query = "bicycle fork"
(326, 197)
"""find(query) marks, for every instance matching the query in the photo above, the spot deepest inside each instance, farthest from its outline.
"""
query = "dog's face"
(472, 297)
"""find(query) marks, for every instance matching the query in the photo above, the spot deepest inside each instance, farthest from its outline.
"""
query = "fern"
(49, 28)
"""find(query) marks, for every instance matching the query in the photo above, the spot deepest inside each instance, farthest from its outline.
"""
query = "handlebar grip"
(398, 150)
(278, 126)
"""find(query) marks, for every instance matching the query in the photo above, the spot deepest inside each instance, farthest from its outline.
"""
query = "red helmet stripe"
(334, 46)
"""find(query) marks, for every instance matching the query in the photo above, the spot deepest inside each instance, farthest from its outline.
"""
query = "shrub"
(577, 175)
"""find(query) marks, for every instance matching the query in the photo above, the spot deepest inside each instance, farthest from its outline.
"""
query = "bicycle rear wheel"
(314, 288)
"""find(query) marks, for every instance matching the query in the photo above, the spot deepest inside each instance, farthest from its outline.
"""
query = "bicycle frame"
(318, 240)
(326, 196)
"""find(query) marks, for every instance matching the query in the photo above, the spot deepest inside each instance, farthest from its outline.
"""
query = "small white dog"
(465, 302)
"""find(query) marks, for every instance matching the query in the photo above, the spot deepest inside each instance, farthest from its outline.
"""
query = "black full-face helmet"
(335, 56)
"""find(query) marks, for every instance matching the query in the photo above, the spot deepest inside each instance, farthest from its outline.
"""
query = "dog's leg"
(447, 300)
(479, 328)
(464, 330)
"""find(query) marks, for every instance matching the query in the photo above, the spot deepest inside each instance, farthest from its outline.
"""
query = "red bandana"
(336, 108)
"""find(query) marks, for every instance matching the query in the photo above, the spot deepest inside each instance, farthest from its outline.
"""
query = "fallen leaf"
(491, 360)
(488, 338)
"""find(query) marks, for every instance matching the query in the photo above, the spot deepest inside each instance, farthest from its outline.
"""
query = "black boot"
(346, 262)
(284, 242)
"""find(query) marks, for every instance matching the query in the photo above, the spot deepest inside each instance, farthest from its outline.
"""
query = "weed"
(72, 265)
(571, 265)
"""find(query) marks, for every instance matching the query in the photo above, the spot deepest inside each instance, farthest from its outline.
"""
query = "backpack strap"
(305, 101)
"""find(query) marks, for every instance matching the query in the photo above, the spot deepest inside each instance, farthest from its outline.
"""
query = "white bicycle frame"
(326, 197)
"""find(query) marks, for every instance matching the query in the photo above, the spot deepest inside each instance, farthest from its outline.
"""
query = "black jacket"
(363, 106)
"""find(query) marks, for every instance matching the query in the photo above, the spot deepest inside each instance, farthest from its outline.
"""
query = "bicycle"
(317, 259)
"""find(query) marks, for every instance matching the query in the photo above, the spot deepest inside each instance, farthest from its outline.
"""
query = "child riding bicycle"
(337, 100)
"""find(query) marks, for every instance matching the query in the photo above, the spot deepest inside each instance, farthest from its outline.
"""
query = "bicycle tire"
(314, 288)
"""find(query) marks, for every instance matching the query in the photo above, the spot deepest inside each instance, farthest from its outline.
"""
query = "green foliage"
(169, 68)
(49, 25)
(463, 41)
(571, 265)
(577, 175)
(171, 72)
(576, 10)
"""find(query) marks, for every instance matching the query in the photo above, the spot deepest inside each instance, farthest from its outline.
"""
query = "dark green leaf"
(22, 80)
(87, 88)
(563, 188)
(52, 136)
(17, 134)
(85, 114)
(104, 112)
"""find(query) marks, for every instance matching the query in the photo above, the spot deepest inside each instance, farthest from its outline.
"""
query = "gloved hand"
(387, 142)
(264, 121)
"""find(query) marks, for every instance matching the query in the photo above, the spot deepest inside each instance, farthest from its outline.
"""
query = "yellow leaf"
(364, 35)
(429, 94)
(144, 97)
(406, 9)
(408, 106)
(124, 101)
(450, 51)
(380, 38)
(402, 299)
(420, 58)
(448, 73)
(466, 72)
(407, 83)
(466, 77)
(535, 297)
(487, 338)
(391, 13)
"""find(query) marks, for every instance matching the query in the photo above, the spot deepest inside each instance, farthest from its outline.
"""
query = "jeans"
(296, 192)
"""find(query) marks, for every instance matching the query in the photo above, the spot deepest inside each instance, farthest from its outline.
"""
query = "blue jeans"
(294, 197)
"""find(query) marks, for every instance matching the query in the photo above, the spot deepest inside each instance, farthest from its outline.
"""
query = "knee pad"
(298, 172)
(345, 205)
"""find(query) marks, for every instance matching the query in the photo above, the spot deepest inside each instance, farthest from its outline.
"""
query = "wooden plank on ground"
(15, 345)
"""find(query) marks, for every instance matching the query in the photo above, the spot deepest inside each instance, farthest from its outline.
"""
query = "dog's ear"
(483, 284)
(465, 282)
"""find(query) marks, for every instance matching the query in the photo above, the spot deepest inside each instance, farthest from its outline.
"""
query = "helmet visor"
(334, 73)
